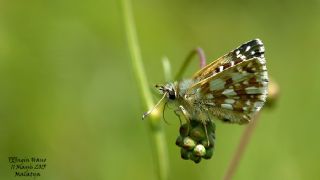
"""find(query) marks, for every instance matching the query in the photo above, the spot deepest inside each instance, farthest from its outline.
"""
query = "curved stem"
(202, 57)
(186, 63)
(244, 140)
(156, 130)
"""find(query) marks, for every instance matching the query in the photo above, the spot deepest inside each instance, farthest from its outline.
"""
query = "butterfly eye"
(172, 94)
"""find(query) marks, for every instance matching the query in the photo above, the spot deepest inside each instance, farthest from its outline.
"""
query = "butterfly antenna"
(154, 107)
(164, 108)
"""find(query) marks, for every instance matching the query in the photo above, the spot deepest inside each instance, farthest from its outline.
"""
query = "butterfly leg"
(185, 114)
(206, 131)
(177, 112)
(163, 115)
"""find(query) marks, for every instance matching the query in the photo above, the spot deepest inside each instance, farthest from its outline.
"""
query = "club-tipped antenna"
(154, 107)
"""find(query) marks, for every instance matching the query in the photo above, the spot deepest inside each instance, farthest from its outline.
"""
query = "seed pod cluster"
(194, 142)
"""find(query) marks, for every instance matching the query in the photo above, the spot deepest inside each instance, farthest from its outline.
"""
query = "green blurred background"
(67, 90)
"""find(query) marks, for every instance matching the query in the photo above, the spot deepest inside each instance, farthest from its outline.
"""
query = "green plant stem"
(167, 69)
(202, 60)
(156, 130)
(135, 53)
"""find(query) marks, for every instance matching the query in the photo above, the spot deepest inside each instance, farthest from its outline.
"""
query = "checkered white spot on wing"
(237, 93)
(234, 87)
(248, 50)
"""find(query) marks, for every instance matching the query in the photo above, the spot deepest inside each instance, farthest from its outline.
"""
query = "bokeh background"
(67, 90)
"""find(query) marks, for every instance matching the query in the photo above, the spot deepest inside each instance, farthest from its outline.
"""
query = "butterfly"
(232, 88)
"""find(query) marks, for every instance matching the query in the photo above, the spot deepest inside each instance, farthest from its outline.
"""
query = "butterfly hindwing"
(234, 87)
(235, 94)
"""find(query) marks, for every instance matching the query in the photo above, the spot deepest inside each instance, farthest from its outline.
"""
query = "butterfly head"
(169, 90)
(169, 93)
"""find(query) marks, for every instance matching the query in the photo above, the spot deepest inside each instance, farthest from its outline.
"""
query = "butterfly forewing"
(236, 87)
(251, 49)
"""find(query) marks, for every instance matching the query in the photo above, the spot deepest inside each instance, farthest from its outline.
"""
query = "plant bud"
(209, 153)
(184, 130)
(195, 159)
(198, 133)
(185, 154)
(199, 150)
(188, 143)
(179, 141)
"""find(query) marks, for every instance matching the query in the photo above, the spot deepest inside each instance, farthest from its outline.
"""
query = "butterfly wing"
(248, 50)
(235, 93)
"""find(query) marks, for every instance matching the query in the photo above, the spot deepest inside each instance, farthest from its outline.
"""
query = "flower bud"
(198, 133)
(188, 143)
(185, 154)
(179, 141)
(273, 93)
(209, 153)
(196, 140)
(199, 150)
(195, 159)
(184, 130)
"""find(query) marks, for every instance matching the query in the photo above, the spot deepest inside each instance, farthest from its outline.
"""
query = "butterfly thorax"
(184, 100)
